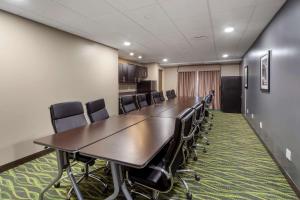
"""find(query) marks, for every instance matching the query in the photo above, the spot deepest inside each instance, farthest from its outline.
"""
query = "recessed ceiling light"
(165, 60)
(228, 29)
(140, 57)
(126, 43)
(225, 55)
(131, 54)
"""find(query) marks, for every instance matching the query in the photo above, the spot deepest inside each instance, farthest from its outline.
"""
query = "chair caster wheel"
(195, 158)
(57, 185)
(204, 151)
(189, 196)
(105, 189)
(197, 177)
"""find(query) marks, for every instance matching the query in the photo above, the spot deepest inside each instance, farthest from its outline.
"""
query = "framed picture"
(246, 76)
(265, 72)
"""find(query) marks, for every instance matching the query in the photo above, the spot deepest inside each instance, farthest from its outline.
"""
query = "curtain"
(186, 84)
(210, 80)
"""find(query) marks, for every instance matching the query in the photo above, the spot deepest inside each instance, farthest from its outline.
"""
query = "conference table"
(130, 140)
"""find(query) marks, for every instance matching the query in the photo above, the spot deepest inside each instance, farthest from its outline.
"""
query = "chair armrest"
(190, 136)
(168, 175)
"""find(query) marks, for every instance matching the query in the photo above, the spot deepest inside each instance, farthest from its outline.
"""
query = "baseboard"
(24, 160)
(288, 178)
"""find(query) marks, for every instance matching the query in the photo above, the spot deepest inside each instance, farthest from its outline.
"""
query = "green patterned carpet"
(236, 166)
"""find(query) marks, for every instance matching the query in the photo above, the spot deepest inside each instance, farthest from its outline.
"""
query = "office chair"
(66, 116)
(141, 100)
(173, 93)
(169, 94)
(159, 175)
(197, 123)
(127, 104)
(156, 97)
(161, 95)
(208, 114)
(96, 110)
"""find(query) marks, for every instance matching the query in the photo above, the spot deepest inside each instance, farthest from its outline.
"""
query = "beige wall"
(170, 73)
(230, 70)
(41, 66)
(170, 78)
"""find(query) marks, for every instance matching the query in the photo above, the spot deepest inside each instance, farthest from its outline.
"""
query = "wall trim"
(287, 177)
(23, 160)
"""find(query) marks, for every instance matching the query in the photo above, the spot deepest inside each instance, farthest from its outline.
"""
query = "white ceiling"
(157, 29)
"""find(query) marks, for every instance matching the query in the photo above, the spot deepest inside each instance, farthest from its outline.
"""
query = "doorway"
(160, 74)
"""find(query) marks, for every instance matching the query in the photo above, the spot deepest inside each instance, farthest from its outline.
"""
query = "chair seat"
(85, 159)
(151, 178)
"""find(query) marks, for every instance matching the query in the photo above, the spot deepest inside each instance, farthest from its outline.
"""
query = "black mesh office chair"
(127, 104)
(66, 116)
(199, 134)
(169, 94)
(156, 97)
(141, 100)
(173, 93)
(208, 114)
(159, 175)
(96, 110)
(161, 95)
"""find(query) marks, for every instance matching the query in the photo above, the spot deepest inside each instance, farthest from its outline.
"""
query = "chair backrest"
(174, 156)
(96, 110)
(141, 100)
(173, 93)
(197, 107)
(169, 94)
(209, 98)
(66, 116)
(161, 95)
(156, 97)
(127, 104)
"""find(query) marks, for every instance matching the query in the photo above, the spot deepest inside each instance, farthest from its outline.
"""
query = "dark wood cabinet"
(122, 73)
(142, 72)
(129, 73)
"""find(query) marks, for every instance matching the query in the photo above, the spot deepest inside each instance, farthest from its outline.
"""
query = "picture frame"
(246, 76)
(265, 72)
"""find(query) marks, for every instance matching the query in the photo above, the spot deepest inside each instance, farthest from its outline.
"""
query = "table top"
(153, 109)
(136, 145)
(75, 139)
(170, 108)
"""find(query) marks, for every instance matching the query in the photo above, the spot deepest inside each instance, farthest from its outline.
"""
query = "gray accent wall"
(279, 110)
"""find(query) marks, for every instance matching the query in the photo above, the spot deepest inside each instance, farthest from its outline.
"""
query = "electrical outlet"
(288, 154)
(247, 111)
(252, 116)
(260, 124)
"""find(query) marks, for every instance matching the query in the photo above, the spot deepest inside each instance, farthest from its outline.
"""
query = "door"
(160, 72)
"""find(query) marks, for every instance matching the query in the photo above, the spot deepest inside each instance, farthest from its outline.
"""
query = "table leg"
(74, 184)
(119, 183)
(58, 176)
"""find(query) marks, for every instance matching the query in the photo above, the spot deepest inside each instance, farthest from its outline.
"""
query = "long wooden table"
(126, 140)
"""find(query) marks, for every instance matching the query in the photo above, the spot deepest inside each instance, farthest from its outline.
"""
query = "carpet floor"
(236, 166)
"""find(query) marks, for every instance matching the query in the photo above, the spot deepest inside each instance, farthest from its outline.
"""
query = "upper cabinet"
(129, 73)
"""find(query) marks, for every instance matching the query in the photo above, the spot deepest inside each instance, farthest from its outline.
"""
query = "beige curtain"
(210, 80)
(186, 84)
